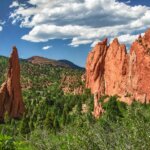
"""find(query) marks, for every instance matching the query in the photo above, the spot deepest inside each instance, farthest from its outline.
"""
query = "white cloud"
(83, 21)
(47, 47)
(126, 38)
(14, 4)
(128, 2)
(76, 42)
(1, 25)
(1, 28)
(95, 42)
(2, 22)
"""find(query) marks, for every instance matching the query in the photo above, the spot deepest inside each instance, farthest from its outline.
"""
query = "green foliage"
(3, 68)
(114, 109)
(6, 143)
(130, 131)
(55, 121)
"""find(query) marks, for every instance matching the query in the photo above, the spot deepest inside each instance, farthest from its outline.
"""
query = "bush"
(7, 143)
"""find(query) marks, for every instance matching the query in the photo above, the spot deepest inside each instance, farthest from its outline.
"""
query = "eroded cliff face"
(110, 70)
(95, 68)
(10, 92)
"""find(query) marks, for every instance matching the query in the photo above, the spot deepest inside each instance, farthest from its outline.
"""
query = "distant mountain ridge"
(57, 63)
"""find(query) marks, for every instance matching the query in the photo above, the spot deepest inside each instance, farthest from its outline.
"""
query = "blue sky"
(67, 29)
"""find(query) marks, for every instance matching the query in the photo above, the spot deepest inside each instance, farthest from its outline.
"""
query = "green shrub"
(6, 143)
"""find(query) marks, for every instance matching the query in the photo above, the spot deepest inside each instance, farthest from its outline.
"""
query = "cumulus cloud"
(47, 47)
(127, 38)
(83, 21)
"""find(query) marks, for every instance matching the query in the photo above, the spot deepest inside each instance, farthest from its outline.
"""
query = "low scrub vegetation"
(56, 121)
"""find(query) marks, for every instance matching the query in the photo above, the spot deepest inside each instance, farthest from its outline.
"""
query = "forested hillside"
(59, 116)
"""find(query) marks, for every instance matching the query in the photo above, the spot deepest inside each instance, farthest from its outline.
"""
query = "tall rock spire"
(11, 100)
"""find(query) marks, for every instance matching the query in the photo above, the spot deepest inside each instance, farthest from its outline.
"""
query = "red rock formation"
(98, 110)
(111, 71)
(139, 64)
(115, 63)
(3, 95)
(10, 93)
(95, 68)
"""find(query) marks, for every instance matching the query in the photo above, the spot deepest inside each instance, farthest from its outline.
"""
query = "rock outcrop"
(10, 92)
(110, 70)
(72, 84)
